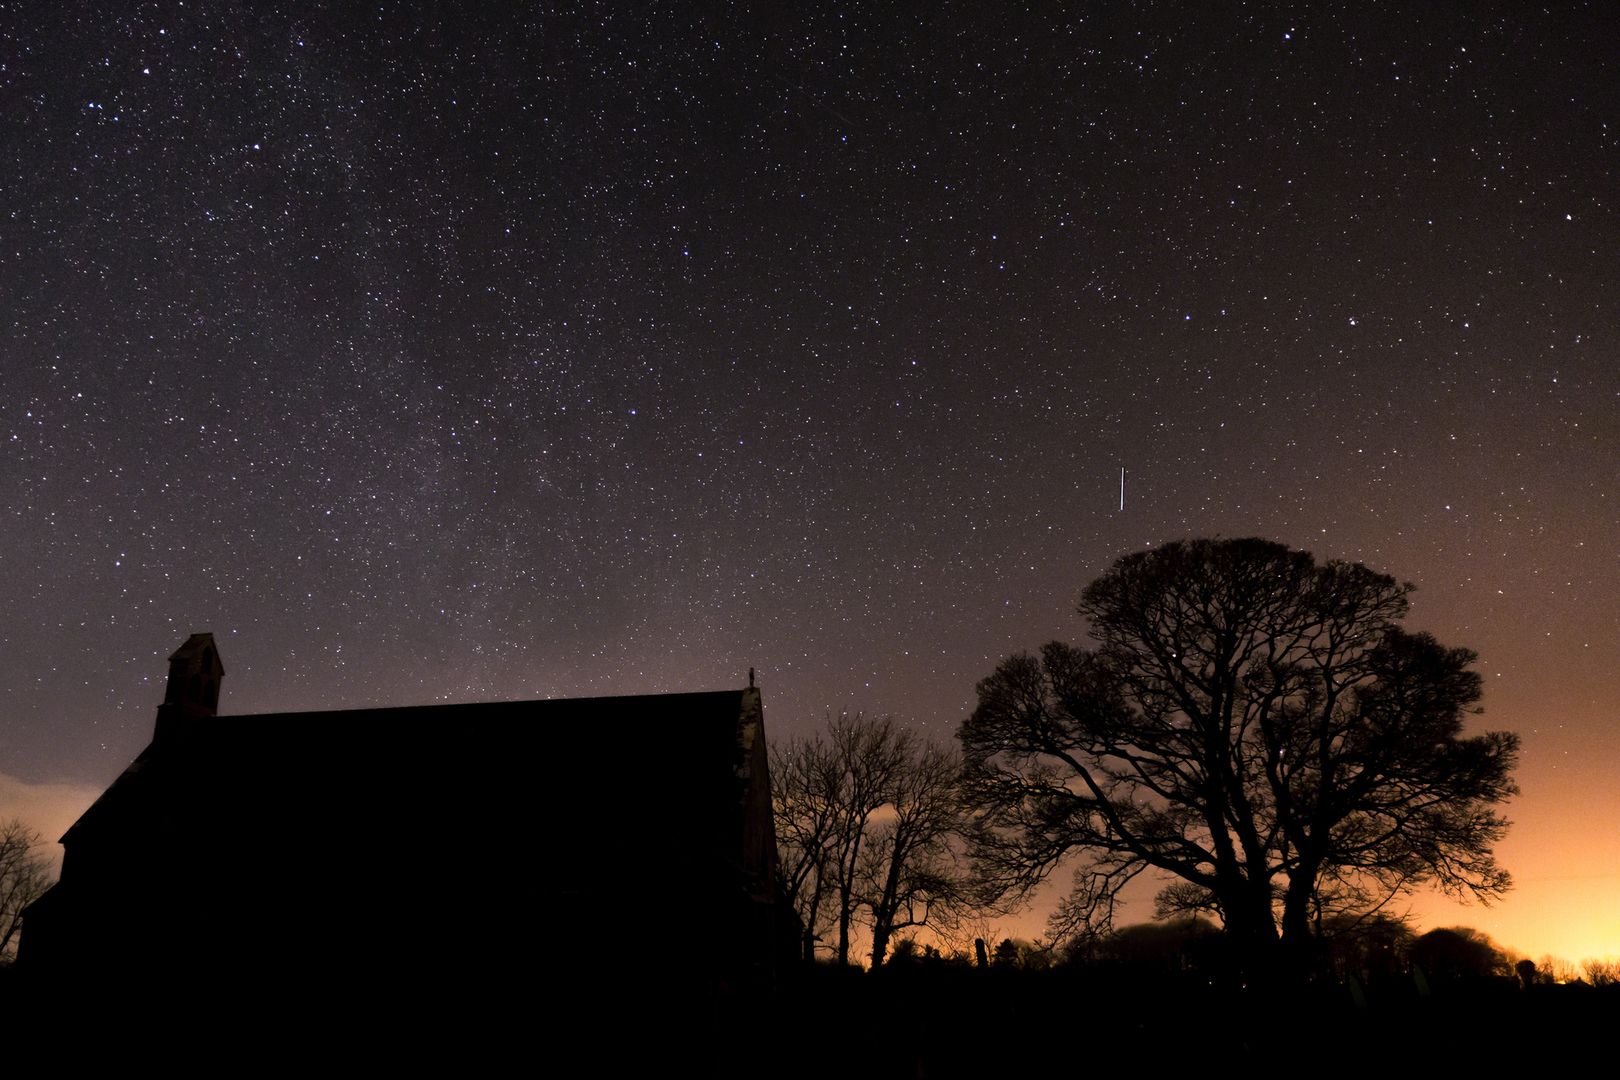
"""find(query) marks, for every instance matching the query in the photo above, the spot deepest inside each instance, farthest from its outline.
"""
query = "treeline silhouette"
(1170, 996)
(928, 1000)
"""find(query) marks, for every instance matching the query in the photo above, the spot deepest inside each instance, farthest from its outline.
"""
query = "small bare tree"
(826, 792)
(806, 781)
(1601, 972)
(911, 875)
(866, 820)
(25, 874)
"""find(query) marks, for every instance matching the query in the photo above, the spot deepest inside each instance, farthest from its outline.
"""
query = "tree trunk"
(1298, 944)
(1251, 928)
(884, 911)
(843, 926)
(810, 924)
(846, 888)
(880, 942)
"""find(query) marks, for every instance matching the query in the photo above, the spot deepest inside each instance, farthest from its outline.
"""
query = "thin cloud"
(49, 808)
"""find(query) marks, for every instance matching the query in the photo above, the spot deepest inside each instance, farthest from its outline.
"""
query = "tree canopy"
(1253, 724)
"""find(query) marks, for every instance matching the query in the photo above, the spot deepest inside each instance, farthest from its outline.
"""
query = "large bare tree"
(1253, 724)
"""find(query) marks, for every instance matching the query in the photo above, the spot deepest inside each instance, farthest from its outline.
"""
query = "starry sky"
(444, 353)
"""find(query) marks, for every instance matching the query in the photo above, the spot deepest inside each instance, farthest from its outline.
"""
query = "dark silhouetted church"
(445, 857)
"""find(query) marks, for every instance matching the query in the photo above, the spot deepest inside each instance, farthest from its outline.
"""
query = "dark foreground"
(945, 1021)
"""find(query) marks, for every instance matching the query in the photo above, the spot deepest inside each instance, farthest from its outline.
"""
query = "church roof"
(591, 765)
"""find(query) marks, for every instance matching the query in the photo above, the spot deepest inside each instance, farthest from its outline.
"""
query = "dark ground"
(922, 1021)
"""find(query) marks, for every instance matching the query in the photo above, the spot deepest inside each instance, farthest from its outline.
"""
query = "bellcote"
(194, 676)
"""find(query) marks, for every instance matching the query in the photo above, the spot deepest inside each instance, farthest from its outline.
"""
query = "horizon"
(1521, 932)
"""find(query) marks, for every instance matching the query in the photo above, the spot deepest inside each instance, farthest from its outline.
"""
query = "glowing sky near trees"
(472, 354)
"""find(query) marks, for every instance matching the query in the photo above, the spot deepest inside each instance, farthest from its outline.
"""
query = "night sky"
(469, 354)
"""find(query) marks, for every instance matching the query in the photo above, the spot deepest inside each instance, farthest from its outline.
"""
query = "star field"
(469, 353)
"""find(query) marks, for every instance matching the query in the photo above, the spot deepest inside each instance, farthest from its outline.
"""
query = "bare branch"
(25, 874)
